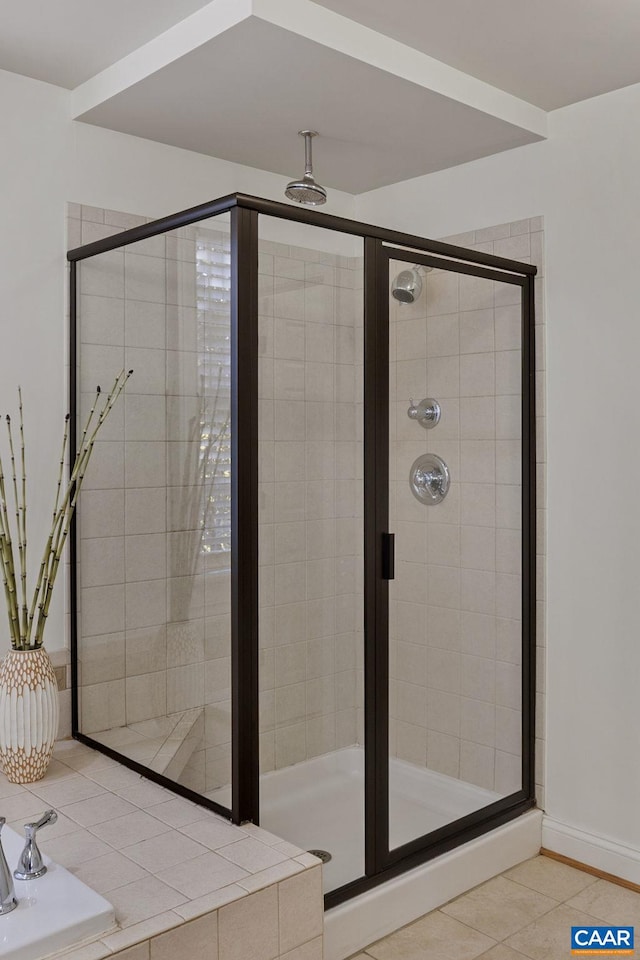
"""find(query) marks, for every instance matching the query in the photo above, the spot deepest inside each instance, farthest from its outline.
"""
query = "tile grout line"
(558, 903)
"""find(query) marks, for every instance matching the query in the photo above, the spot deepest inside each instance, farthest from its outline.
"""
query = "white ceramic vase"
(28, 714)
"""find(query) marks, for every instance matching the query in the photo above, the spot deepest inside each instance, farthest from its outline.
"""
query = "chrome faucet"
(8, 900)
(30, 865)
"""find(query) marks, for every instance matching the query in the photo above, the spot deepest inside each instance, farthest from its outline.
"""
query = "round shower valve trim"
(429, 479)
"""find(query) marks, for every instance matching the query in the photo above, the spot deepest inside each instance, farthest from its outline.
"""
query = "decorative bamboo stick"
(23, 462)
(7, 561)
(62, 520)
(65, 440)
(9, 590)
(16, 498)
(65, 515)
(27, 622)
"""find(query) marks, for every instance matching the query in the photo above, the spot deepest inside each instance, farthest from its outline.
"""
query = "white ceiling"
(549, 52)
(397, 88)
(67, 41)
(376, 128)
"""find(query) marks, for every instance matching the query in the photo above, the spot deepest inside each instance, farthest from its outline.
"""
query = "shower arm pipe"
(308, 156)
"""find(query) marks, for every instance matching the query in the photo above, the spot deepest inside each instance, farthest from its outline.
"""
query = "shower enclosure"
(303, 561)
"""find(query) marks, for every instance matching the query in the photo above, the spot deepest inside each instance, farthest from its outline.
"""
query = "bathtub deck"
(160, 860)
(53, 913)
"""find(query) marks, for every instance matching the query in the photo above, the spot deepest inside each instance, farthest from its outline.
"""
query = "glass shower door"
(456, 508)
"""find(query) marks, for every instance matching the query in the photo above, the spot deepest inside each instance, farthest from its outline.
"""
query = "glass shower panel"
(455, 506)
(154, 517)
(311, 542)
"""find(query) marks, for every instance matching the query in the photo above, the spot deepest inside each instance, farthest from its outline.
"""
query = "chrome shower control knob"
(427, 412)
(429, 479)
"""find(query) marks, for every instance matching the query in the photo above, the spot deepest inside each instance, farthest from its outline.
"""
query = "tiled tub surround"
(184, 882)
(311, 501)
(455, 611)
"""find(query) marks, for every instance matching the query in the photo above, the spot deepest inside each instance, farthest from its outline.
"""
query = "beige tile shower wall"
(154, 609)
(455, 657)
(310, 389)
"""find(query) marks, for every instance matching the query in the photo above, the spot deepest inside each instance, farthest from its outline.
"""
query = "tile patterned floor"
(526, 912)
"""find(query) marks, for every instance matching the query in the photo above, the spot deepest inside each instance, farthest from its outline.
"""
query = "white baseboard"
(599, 852)
(358, 922)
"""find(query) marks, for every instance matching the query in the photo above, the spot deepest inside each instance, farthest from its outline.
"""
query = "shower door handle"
(388, 556)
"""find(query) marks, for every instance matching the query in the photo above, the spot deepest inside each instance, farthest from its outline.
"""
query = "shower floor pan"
(319, 805)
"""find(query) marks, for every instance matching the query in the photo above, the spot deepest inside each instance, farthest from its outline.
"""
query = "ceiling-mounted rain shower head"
(306, 190)
(407, 285)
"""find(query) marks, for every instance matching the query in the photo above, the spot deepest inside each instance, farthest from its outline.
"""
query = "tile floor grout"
(498, 922)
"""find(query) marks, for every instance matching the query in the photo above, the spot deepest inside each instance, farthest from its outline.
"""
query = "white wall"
(584, 180)
(45, 161)
(34, 165)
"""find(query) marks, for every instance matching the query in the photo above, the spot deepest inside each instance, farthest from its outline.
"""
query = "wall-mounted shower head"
(306, 190)
(406, 286)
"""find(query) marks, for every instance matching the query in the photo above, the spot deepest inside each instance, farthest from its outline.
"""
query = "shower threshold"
(319, 805)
